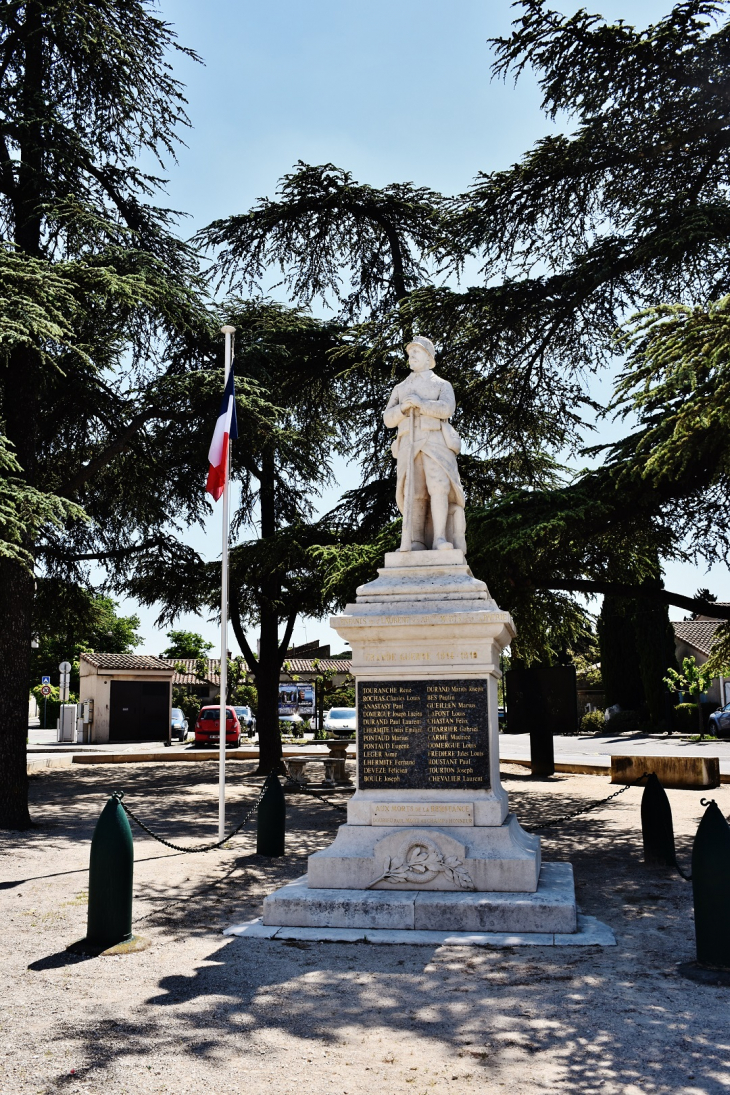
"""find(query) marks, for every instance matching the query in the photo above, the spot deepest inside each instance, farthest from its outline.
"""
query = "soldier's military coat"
(435, 437)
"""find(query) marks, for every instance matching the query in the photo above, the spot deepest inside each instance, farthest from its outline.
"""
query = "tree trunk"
(16, 599)
(20, 405)
(620, 671)
(20, 378)
(267, 685)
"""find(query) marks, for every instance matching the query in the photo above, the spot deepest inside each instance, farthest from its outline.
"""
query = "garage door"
(139, 711)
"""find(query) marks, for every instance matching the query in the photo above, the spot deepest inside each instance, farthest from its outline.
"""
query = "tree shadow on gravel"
(592, 1019)
(179, 802)
(589, 1021)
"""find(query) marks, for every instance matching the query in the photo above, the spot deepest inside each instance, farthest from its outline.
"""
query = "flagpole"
(228, 332)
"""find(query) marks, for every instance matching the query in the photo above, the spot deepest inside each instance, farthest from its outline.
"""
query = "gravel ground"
(199, 1012)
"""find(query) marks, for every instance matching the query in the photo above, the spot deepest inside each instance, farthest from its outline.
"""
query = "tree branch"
(114, 449)
(284, 644)
(235, 611)
(114, 553)
(654, 593)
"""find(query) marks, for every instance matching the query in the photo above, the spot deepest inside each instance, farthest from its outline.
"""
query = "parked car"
(719, 722)
(341, 721)
(178, 725)
(207, 727)
(247, 719)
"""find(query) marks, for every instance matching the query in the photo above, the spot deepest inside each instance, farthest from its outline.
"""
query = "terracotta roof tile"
(125, 661)
(296, 665)
(212, 672)
(697, 633)
(306, 665)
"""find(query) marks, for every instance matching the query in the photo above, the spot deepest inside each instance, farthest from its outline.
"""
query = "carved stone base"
(467, 858)
(551, 908)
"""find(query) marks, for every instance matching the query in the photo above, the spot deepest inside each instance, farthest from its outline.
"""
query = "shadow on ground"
(591, 1020)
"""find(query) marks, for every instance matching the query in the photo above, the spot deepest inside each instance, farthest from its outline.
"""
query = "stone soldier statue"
(429, 492)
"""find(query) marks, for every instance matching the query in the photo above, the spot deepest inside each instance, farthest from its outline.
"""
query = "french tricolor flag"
(226, 429)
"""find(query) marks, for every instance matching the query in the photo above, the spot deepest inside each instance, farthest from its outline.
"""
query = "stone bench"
(334, 769)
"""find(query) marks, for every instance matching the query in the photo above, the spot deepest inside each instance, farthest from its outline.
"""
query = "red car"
(207, 727)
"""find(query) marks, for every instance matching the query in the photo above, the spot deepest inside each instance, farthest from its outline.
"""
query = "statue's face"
(418, 359)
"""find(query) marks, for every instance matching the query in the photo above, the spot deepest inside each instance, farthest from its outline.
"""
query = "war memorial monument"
(429, 843)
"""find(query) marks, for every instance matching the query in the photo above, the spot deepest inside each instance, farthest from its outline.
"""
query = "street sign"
(45, 680)
(46, 690)
(65, 667)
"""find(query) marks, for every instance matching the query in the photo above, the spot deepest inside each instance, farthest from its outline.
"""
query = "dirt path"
(198, 1012)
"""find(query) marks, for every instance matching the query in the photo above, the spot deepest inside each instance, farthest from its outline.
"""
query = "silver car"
(341, 721)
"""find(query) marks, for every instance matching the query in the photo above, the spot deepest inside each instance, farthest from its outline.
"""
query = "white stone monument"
(429, 842)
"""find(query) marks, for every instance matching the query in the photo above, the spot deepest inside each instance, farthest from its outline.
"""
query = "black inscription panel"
(420, 734)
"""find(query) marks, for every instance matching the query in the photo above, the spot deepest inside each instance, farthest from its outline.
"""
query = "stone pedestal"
(429, 816)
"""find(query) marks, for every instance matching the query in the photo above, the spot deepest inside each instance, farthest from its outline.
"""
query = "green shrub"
(53, 705)
(188, 704)
(624, 722)
(686, 720)
(296, 729)
(593, 722)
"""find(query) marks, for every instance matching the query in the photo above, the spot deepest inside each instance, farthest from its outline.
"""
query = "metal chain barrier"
(119, 795)
(292, 785)
(585, 809)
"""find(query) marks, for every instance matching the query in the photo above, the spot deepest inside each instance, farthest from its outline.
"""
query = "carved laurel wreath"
(419, 862)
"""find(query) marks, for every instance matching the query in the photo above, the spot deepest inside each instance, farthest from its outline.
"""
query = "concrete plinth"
(429, 845)
(590, 933)
(551, 908)
(475, 857)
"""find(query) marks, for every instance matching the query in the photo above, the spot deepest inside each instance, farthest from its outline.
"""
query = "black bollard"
(657, 827)
(542, 751)
(271, 819)
(111, 874)
(711, 889)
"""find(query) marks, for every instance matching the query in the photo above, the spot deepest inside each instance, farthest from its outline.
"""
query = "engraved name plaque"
(423, 734)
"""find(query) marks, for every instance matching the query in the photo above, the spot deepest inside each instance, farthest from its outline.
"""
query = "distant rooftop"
(189, 676)
(307, 665)
(698, 633)
(296, 665)
(309, 650)
(125, 661)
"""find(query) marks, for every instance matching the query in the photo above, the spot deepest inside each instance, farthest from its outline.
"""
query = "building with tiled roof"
(128, 697)
(122, 662)
(699, 635)
(206, 686)
(312, 666)
(694, 639)
(189, 674)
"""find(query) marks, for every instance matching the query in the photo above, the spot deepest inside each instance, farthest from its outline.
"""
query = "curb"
(35, 764)
(591, 933)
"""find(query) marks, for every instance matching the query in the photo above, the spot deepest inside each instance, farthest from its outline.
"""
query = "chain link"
(119, 795)
(292, 785)
(585, 809)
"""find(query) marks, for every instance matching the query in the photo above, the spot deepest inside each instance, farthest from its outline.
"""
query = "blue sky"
(392, 91)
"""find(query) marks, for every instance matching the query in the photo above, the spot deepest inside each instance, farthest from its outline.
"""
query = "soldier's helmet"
(425, 344)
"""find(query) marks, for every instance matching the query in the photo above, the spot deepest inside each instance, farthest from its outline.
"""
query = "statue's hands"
(411, 402)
